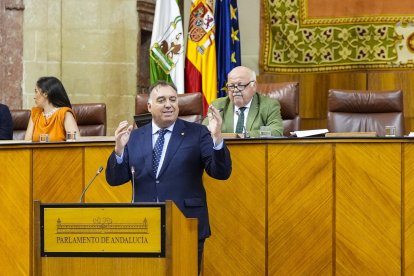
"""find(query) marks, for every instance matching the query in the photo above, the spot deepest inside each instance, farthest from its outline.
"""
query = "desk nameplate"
(102, 230)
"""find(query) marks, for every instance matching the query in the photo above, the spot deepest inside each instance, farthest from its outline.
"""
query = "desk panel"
(15, 211)
(100, 190)
(58, 174)
(368, 209)
(71, 266)
(300, 209)
(408, 208)
(237, 210)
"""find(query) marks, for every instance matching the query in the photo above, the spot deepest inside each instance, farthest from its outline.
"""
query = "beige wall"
(90, 45)
(250, 33)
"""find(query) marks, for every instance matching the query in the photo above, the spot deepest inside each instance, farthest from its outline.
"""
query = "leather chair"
(365, 111)
(190, 106)
(91, 118)
(20, 119)
(288, 95)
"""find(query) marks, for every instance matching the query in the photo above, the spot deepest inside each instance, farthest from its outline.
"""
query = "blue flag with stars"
(227, 41)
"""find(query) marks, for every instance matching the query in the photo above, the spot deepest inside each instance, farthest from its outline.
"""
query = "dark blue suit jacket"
(190, 152)
(6, 123)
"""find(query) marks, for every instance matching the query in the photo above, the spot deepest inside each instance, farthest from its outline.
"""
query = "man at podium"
(165, 159)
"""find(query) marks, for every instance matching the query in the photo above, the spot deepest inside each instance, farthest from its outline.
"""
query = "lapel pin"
(182, 133)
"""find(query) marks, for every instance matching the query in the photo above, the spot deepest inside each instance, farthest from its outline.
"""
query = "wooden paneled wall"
(314, 91)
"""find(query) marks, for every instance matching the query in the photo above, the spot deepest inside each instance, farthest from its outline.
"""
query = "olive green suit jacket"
(264, 111)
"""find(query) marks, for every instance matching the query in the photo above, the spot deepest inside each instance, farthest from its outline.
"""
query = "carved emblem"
(201, 22)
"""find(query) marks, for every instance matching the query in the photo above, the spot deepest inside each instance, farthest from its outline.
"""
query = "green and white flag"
(167, 45)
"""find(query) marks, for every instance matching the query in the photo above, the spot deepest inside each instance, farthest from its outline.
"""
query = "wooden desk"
(314, 207)
(291, 206)
(55, 172)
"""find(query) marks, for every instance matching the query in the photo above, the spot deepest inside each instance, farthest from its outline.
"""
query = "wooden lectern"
(113, 239)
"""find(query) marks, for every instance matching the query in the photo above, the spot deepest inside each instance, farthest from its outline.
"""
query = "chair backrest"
(365, 111)
(91, 118)
(288, 95)
(20, 119)
(190, 106)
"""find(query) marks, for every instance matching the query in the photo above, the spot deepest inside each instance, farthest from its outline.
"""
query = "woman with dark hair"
(53, 113)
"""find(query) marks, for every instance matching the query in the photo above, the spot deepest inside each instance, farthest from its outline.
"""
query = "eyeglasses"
(240, 87)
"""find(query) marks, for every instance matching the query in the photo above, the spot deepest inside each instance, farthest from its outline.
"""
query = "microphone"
(133, 183)
(87, 187)
(245, 133)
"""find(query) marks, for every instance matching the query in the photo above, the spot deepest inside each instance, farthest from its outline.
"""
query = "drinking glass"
(43, 138)
(71, 136)
(390, 131)
(265, 132)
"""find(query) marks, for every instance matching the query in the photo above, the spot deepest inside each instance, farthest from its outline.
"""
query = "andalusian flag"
(227, 41)
(167, 47)
(200, 63)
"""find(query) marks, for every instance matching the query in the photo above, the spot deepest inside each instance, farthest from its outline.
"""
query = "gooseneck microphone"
(87, 187)
(245, 133)
(133, 183)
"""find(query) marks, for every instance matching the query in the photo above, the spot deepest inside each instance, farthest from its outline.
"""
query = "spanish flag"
(200, 63)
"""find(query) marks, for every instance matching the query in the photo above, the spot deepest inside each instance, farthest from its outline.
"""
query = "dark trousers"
(200, 253)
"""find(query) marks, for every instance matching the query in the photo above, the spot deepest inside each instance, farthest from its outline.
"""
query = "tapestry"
(324, 35)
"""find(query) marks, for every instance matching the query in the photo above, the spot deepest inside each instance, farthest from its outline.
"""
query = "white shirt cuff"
(219, 146)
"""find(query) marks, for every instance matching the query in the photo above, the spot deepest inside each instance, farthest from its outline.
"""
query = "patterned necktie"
(240, 120)
(157, 150)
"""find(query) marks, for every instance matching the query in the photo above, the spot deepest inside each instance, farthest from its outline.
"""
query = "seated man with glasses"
(245, 110)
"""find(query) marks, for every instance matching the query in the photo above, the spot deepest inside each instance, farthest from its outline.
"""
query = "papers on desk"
(96, 139)
(351, 134)
(308, 133)
(11, 142)
(411, 134)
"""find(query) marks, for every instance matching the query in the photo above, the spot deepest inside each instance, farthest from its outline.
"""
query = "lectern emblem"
(102, 225)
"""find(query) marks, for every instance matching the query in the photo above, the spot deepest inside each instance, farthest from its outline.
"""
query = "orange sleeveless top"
(53, 126)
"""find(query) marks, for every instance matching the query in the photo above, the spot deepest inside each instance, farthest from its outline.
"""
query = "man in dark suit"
(6, 123)
(186, 150)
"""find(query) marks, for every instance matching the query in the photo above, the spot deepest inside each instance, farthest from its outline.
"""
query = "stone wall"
(90, 45)
(11, 48)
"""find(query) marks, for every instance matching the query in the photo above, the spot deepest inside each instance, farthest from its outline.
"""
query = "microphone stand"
(245, 133)
(133, 183)
(87, 187)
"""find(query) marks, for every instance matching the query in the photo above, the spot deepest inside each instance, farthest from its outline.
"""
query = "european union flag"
(227, 41)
